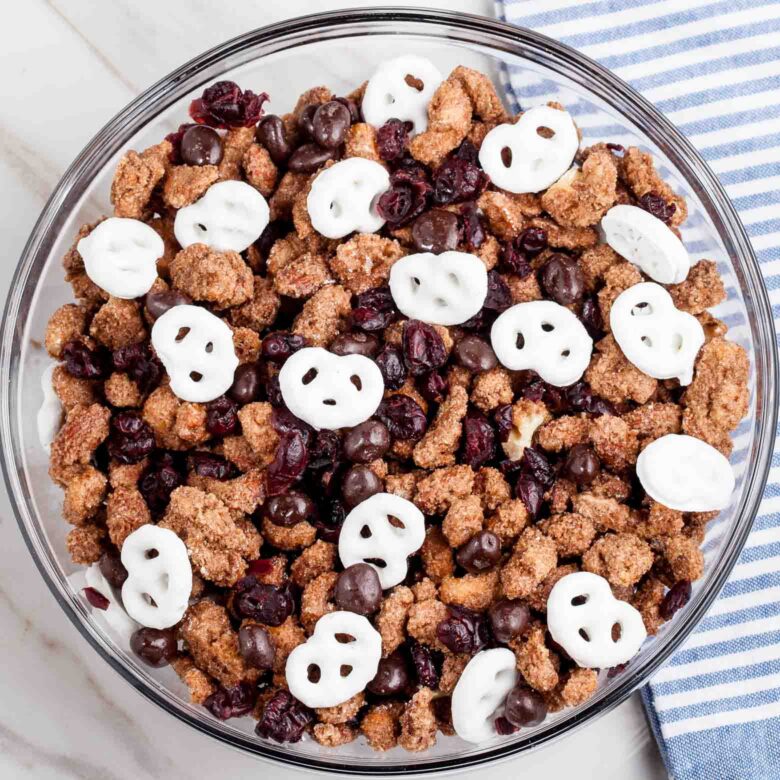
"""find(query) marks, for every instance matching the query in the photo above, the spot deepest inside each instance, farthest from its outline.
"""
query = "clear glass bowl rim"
(465, 28)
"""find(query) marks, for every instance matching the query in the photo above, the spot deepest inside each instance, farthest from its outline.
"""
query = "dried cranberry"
(479, 439)
(131, 439)
(325, 450)
(463, 631)
(591, 317)
(473, 230)
(83, 362)
(515, 261)
(442, 709)
(424, 665)
(615, 671)
(580, 398)
(284, 718)
(277, 347)
(137, 361)
(273, 392)
(531, 493)
(268, 604)
(289, 463)
(391, 139)
(95, 598)
(391, 364)
(403, 417)
(329, 521)
(433, 387)
(518, 252)
(538, 465)
(160, 478)
(374, 309)
(676, 598)
(224, 104)
(502, 417)
(499, 297)
(423, 347)
(232, 702)
(457, 179)
(407, 198)
(657, 206)
(222, 416)
(503, 727)
(208, 464)
(284, 421)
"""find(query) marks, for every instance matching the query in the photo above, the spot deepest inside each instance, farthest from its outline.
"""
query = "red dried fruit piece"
(536, 463)
(95, 598)
(518, 252)
(407, 198)
(463, 631)
(479, 439)
(456, 180)
(289, 463)
(259, 567)
(207, 464)
(591, 318)
(160, 478)
(391, 139)
(657, 206)
(232, 702)
(403, 417)
(284, 718)
(83, 362)
(531, 493)
(131, 439)
(424, 665)
(498, 297)
(329, 520)
(225, 104)
(221, 416)
(473, 229)
(374, 309)
(268, 604)
(391, 364)
(138, 362)
(423, 348)
(433, 387)
(502, 417)
(676, 598)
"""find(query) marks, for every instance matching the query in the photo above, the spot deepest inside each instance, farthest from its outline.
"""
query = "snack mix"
(384, 403)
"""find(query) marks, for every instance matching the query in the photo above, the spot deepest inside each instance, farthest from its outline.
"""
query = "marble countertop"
(68, 66)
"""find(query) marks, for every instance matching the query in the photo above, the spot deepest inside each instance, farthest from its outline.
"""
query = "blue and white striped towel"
(714, 69)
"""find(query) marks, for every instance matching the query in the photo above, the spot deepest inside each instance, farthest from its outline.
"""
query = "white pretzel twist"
(581, 613)
(533, 161)
(390, 95)
(388, 541)
(545, 337)
(653, 334)
(120, 256)
(196, 348)
(686, 474)
(330, 391)
(165, 579)
(647, 242)
(230, 216)
(358, 658)
(49, 417)
(115, 614)
(444, 289)
(343, 198)
(482, 688)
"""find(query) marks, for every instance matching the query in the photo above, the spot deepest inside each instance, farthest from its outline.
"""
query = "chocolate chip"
(330, 124)
(524, 707)
(475, 354)
(356, 343)
(157, 303)
(310, 157)
(271, 134)
(200, 145)
(256, 647)
(359, 483)
(290, 509)
(582, 465)
(436, 231)
(367, 441)
(246, 384)
(508, 619)
(392, 676)
(358, 590)
(563, 280)
(480, 553)
(153, 646)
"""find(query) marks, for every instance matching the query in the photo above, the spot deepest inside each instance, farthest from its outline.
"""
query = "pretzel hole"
(365, 532)
(209, 348)
(617, 632)
(335, 209)
(565, 353)
(415, 283)
(313, 673)
(149, 600)
(355, 379)
(440, 302)
(378, 562)
(201, 227)
(545, 132)
(151, 554)
(414, 82)
(506, 157)
(647, 341)
(642, 309)
(520, 341)
(345, 670)
(578, 601)
(395, 522)
(182, 334)
(329, 402)
(195, 376)
(548, 327)
(389, 99)
(345, 639)
(584, 634)
(309, 376)
(677, 342)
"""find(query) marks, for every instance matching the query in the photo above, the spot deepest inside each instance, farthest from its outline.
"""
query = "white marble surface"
(67, 66)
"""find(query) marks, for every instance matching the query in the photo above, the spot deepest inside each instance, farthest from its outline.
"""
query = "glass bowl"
(340, 50)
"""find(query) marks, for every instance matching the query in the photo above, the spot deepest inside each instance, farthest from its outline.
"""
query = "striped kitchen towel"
(713, 67)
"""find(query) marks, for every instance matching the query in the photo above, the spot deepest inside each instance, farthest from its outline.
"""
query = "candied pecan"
(535, 661)
(260, 311)
(653, 420)
(126, 511)
(595, 262)
(472, 591)
(68, 323)
(364, 262)
(313, 561)
(437, 556)
(439, 444)
(463, 520)
(362, 142)
(418, 722)
(637, 170)
(572, 533)
(508, 521)
(620, 558)
(86, 543)
(324, 315)
(73, 391)
(491, 487)
(84, 495)
(118, 323)
(485, 101)
(606, 514)
(184, 184)
(260, 170)
(702, 289)
(436, 492)
(491, 389)
(85, 428)
(381, 725)
(205, 274)
(391, 620)
(317, 599)
(136, 177)
(615, 443)
(614, 378)
(259, 432)
(533, 558)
